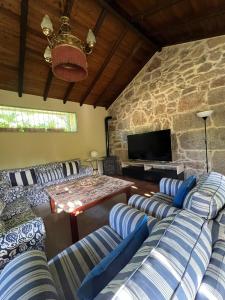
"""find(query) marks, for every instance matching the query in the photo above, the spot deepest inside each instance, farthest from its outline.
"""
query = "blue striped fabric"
(174, 265)
(221, 217)
(169, 186)
(213, 283)
(123, 219)
(49, 175)
(27, 277)
(157, 206)
(208, 197)
(70, 267)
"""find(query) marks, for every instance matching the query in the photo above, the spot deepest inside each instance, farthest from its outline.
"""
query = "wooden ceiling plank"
(127, 22)
(96, 29)
(104, 65)
(152, 11)
(120, 69)
(67, 12)
(22, 49)
(191, 20)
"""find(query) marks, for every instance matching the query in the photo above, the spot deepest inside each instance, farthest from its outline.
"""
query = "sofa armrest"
(27, 277)
(124, 218)
(27, 236)
(169, 186)
(154, 206)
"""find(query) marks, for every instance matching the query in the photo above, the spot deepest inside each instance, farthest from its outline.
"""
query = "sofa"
(20, 231)
(30, 182)
(180, 259)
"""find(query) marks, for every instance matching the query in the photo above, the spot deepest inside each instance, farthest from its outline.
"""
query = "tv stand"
(152, 170)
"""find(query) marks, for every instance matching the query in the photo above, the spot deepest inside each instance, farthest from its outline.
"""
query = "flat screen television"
(154, 145)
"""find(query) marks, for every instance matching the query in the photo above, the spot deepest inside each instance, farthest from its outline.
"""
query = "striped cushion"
(156, 206)
(70, 168)
(213, 283)
(208, 197)
(123, 219)
(27, 277)
(71, 266)
(23, 178)
(169, 186)
(173, 265)
(50, 175)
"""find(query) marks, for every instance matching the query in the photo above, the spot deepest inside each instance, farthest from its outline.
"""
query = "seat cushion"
(19, 219)
(27, 277)
(208, 197)
(2, 206)
(109, 266)
(70, 267)
(18, 206)
(172, 267)
(186, 186)
(213, 283)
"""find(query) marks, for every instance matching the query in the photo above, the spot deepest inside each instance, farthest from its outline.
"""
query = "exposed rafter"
(104, 65)
(120, 69)
(67, 11)
(160, 6)
(96, 29)
(128, 22)
(23, 36)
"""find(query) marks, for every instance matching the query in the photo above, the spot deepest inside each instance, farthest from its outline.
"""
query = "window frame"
(36, 129)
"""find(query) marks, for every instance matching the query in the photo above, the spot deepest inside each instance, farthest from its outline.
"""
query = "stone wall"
(175, 84)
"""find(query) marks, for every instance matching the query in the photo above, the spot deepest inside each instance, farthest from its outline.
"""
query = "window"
(25, 119)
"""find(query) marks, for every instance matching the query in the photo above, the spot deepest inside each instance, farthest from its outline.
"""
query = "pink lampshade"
(69, 63)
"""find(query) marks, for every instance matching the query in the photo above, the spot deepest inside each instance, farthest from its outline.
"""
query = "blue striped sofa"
(179, 260)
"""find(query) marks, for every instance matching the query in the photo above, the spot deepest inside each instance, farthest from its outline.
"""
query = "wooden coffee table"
(78, 195)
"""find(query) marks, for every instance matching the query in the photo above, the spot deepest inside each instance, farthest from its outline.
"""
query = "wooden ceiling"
(128, 33)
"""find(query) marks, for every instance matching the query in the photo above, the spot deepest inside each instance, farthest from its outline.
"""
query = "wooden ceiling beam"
(110, 7)
(118, 72)
(96, 29)
(152, 11)
(104, 65)
(22, 49)
(67, 11)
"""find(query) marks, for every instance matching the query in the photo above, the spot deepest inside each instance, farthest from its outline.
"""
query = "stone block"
(154, 64)
(192, 140)
(216, 138)
(214, 42)
(191, 102)
(216, 96)
(218, 82)
(218, 162)
(204, 68)
(139, 118)
(218, 115)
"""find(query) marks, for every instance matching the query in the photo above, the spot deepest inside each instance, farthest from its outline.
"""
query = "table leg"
(128, 194)
(52, 205)
(74, 228)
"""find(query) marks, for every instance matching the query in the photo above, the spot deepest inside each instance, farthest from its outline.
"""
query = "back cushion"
(208, 197)
(174, 267)
(50, 175)
(23, 178)
(27, 277)
(70, 167)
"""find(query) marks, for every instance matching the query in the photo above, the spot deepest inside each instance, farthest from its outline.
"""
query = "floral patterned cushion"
(19, 219)
(27, 236)
(2, 227)
(18, 206)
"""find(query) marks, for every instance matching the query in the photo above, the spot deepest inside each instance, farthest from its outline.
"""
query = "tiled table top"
(73, 195)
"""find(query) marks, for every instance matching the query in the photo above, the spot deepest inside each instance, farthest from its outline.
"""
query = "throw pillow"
(183, 190)
(70, 168)
(50, 175)
(109, 266)
(23, 178)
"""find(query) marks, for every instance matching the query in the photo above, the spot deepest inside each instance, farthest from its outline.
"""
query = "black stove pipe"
(107, 119)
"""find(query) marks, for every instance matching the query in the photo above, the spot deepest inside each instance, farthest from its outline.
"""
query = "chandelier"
(65, 51)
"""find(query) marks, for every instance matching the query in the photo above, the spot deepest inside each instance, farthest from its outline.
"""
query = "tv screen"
(150, 146)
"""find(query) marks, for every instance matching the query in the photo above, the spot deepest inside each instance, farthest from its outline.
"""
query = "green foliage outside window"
(24, 119)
